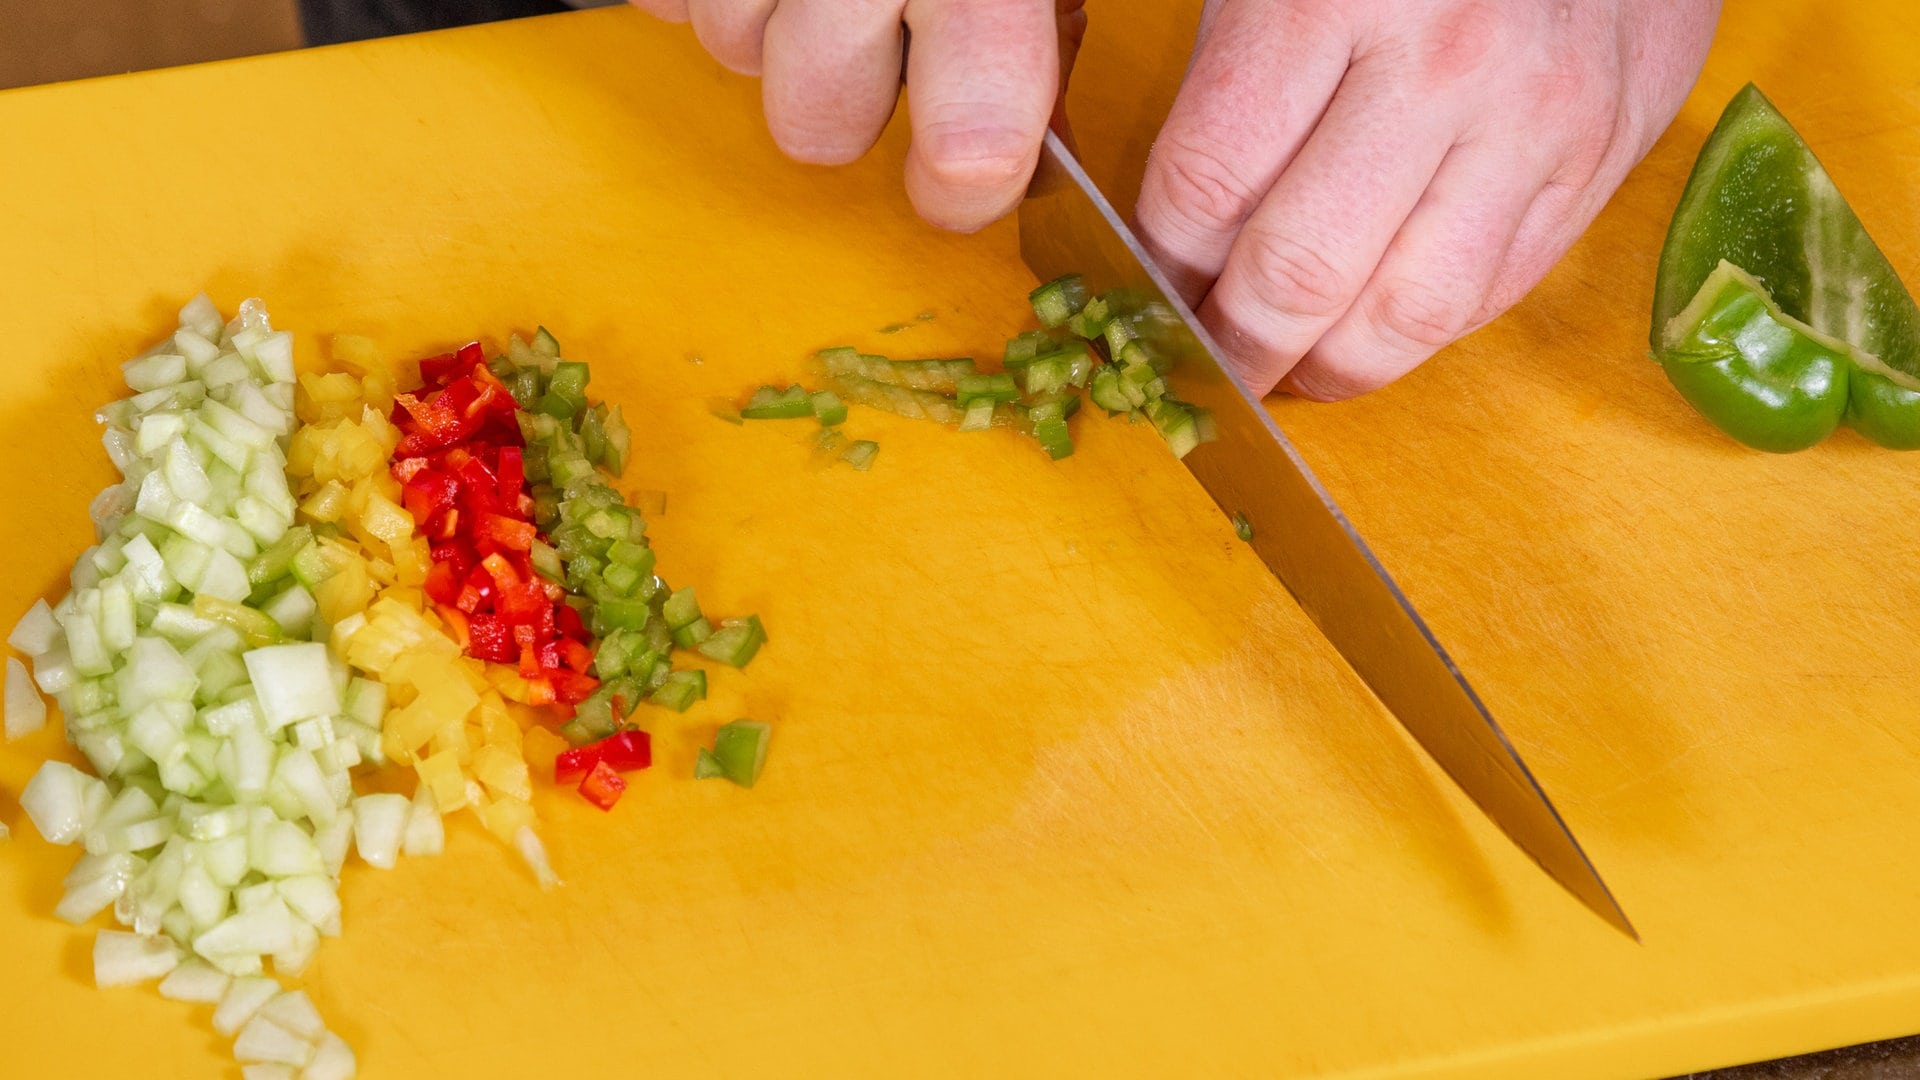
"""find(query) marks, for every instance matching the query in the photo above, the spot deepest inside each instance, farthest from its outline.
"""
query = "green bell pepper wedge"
(1775, 314)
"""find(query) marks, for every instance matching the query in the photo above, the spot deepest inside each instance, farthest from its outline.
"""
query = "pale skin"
(1342, 188)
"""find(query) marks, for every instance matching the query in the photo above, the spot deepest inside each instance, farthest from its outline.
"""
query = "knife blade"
(1067, 226)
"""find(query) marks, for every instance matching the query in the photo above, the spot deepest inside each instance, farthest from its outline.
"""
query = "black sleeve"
(329, 22)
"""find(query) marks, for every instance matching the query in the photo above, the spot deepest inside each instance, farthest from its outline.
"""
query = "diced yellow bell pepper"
(505, 817)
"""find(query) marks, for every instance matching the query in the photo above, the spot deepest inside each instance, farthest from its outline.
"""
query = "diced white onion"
(379, 822)
(262, 1040)
(527, 843)
(197, 982)
(36, 631)
(244, 998)
(332, 1060)
(26, 711)
(123, 959)
(426, 833)
(293, 682)
(295, 1012)
(54, 802)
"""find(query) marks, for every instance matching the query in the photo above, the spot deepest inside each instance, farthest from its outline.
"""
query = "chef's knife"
(1067, 226)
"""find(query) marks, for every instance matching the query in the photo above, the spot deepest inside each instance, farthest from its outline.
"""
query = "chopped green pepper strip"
(770, 403)
(979, 415)
(1107, 392)
(1054, 437)
(1059, 300)
(899, 400)
(682, 608)
(277, 561)
(257, 627)
(989, 388)
(680, 690)
(1090, 321)
(828, 408)
(693, 634)
(1026, 346)
(1242, 527)
(707, 767)
(940, 376)
(860, 455)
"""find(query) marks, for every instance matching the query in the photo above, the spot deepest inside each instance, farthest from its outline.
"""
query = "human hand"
(1346, 186)
(983, 79)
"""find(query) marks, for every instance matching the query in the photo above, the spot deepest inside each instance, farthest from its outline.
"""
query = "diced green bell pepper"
(739, 753)
(1059, 300)
(680, 690)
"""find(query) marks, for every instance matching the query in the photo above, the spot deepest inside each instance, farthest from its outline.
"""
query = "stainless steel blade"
(1067, 226)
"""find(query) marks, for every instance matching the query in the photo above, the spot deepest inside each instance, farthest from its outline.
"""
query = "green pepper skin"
(1884, 411)
(1828, 334)
(1753, 373)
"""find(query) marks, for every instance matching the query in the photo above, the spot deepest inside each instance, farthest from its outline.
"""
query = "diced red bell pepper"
(508, 533)
(628, 750)
(444, 525)
(439, 370)
(457, 622)
(539, 692)
(455, 552)
(624, 751)
(567, 621)
(577, 657)
(571, 687)
(603, 787)
(490, 638)
(524, 605)
(566, 654)
(428, 493)
(407, 468)
(512, 473)
(443, 583)
(429, 414)
(504, 577)
(463, 475)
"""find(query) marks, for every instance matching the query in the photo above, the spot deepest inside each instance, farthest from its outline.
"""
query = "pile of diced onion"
(246, 634)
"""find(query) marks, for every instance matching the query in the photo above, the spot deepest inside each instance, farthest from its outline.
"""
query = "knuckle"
(1585, 154)
(1201, 187)
(1288, 275)
(1461, 41)
(1418, 315)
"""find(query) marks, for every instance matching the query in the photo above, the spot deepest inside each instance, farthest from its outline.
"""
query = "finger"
(981, 81)
(1261, 76)
(1556, 220)
(1314, 241)
(670, 10)
(732, 30)
(1431, 286)
(831, 76)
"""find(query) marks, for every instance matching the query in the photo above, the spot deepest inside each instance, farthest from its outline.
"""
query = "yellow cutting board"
(1062, 782)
